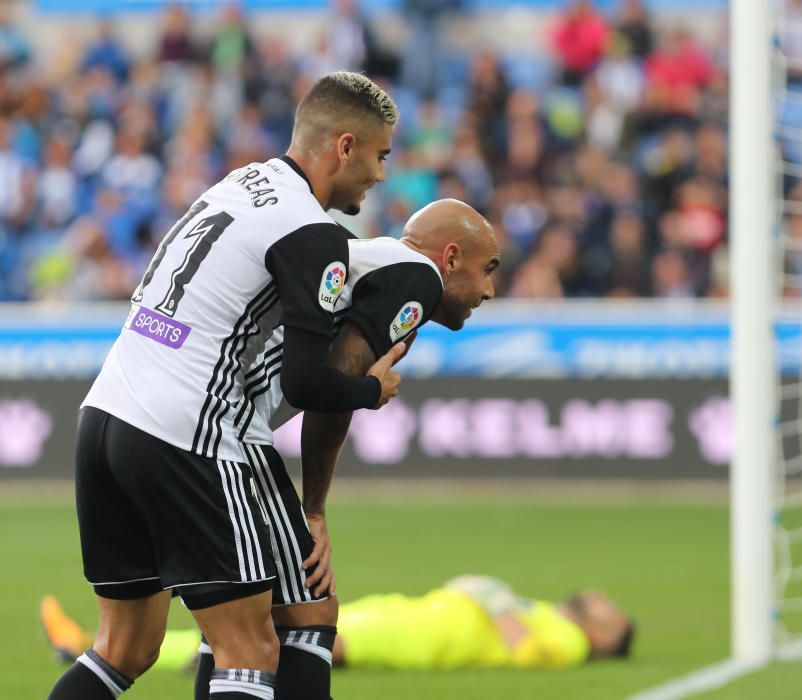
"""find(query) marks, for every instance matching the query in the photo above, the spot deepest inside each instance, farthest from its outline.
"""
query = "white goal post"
(753, 295)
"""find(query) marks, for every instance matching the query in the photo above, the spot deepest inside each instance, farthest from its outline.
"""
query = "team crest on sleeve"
(331, 285)
(405, 320)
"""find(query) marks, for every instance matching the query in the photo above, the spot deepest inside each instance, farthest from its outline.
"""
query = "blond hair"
(343, 98)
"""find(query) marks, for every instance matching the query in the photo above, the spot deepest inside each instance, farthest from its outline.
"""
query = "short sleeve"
(389, 303)
(310, 267)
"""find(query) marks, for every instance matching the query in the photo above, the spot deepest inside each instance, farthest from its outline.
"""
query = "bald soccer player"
(469, 622)
(440, 270)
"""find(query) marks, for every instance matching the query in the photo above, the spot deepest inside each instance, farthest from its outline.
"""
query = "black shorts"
(153, 516)
(290, 537)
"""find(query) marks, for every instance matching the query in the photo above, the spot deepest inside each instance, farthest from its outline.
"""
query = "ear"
(345, 146)
(452, 258)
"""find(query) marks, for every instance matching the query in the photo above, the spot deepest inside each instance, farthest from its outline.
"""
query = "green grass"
(666, 564)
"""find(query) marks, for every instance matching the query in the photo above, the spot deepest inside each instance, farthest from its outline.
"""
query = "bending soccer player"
(471, 621)
(164, 493)
(440, 270)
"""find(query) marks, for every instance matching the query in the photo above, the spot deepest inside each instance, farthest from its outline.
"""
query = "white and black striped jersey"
(255, 252)
(391, 291)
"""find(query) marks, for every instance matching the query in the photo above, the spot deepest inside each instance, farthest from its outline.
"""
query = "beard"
(351, 210)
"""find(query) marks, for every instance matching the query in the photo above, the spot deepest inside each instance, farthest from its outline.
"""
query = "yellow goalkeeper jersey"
(447, 629)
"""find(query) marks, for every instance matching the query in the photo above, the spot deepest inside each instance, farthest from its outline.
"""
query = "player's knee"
(147, 658)
(255, 646)
(131, 661)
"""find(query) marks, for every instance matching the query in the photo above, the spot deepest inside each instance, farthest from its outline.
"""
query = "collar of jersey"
(297, 168)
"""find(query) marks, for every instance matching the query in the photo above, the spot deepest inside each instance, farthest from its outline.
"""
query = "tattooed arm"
(323, 434)
(322, 437)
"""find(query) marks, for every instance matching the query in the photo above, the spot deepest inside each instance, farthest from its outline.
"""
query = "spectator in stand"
(792, 241)
(424, 54)
(17, 182)
(790, 41)
(15, 50)
(248, 140)
(634, 24)
(235, 66)
(578, 40)
(487, 102)
(790, 37)
(431, 137)
(411, 181)
(278, 79)
(671, 277)
(711, 153)
(519, 208)
(526, 139)
(176, 44)
(676, 75)
(128, 197)
(82, 267)
(666, 165)
(56, 189)
(700, 205)
(347, 32)
(619, 265)
(613, 93)
(17, 197)
(176, 64)
(470, 167)
(107, 52)
(548, 272)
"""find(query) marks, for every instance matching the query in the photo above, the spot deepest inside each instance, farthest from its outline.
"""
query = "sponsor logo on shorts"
(331, 285)
(407, 318)
(156, 326)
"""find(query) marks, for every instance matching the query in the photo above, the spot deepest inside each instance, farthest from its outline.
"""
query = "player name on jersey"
(256, 184)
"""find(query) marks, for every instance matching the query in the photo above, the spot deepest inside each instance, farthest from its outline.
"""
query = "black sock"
(90, 678)
(203, 674)
(304, 663)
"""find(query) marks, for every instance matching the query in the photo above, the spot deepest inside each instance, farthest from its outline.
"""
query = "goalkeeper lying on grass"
(472, 621)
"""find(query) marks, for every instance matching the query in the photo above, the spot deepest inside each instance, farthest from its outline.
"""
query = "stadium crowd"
(600, 156)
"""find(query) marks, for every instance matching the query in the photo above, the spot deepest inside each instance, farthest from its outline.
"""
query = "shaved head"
(446, 221)
(461, 242)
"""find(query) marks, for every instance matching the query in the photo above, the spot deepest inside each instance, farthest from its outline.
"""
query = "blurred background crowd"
(600, 155)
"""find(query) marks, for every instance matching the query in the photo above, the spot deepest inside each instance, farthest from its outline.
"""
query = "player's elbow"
(298, 391)
(310, 391)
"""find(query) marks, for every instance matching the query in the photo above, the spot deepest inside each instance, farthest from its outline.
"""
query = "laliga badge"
(406, 319)
(331, 285)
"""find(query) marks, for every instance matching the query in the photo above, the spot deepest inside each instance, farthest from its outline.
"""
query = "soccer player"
(471, 621)
(165, 497)
(440, 270)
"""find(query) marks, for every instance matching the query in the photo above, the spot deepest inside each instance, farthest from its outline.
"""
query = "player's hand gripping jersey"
(255, 252)
(391, 291)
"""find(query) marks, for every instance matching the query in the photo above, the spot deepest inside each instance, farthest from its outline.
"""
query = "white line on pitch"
(714, 676)
(791, 651)
(706, 678)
